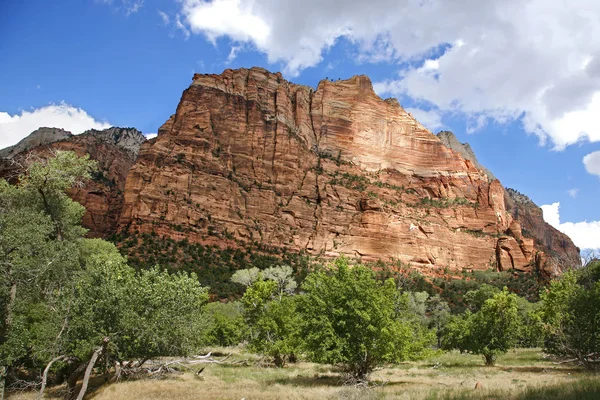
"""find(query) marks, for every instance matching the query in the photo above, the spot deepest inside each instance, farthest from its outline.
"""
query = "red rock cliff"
(336, 170)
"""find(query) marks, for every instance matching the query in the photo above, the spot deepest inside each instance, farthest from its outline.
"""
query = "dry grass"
(449, 376)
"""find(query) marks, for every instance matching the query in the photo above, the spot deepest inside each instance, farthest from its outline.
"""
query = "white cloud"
(165, 17)
(573, 192)
(502, 60)
(150, 135)
(585, 235)
(592, 163)
(233, 54)
(181, 27)
(127, 6)
(13, 128)
(431, 119)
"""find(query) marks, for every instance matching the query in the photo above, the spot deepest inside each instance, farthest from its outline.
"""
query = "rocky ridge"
(464, 149)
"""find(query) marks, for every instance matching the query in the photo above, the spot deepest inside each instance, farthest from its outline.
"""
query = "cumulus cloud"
(13, 128)
(150, 135)
(585, 235)
(592, 163)
(502, 60)
(431, 119)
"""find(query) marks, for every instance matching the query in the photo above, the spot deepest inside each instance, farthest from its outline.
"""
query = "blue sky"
(519, 80)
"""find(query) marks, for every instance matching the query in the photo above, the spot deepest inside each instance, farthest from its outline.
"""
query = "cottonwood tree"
(39, 239)
(349, 318)
(70, 301)
(246, 277)
(273, 321)
(491, 331)
(571, 316)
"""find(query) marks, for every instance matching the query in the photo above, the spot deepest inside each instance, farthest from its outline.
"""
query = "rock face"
(557, 248)
(115, 150)
(250, 157)
(39, 137)
(464, 149)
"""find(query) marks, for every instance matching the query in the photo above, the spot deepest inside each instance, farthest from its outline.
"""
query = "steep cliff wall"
(250, 157)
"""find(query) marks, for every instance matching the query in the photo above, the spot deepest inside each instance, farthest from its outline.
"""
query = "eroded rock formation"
(250, 157)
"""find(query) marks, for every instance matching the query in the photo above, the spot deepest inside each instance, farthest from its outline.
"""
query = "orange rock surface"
(250, 157)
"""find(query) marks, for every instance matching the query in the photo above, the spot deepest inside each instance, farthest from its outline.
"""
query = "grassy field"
(521, 374)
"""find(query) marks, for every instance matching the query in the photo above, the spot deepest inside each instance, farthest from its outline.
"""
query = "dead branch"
(45, 375)
(100, 350)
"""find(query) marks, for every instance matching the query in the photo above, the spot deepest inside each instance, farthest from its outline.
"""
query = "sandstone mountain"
(249, 158)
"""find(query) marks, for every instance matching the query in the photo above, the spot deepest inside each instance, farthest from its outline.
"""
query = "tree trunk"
(72, 380)
(45, 375)
(279, 360)
(3, 371)
(100, 350)
(490, 359)
(7, 325)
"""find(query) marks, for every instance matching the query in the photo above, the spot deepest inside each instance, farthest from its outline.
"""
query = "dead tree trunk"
(7, 326)
(99, 351)
(72, 380)
(45, 375)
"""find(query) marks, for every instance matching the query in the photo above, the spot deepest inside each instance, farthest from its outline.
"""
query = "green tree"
(475, 299)
(137, 316)
(531, 333)
(439, 312)
(571, 316)
(273, 321)
(225, 324)
(349, 318)
(39, 246)
(495, 327)
(491, 331)
(456, 334)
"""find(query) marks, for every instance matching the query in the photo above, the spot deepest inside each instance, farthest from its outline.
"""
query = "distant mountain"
(115, 150)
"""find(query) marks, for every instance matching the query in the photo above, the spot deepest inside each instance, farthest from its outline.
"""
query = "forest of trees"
(72, 307)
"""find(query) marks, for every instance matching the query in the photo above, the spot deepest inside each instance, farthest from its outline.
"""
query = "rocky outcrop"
(39, 137)
(127, 139)
(250, 157)
(464, 149)
(557, 249)
(115, 150)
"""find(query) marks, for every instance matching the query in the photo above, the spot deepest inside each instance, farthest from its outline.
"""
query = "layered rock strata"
(250, 157)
